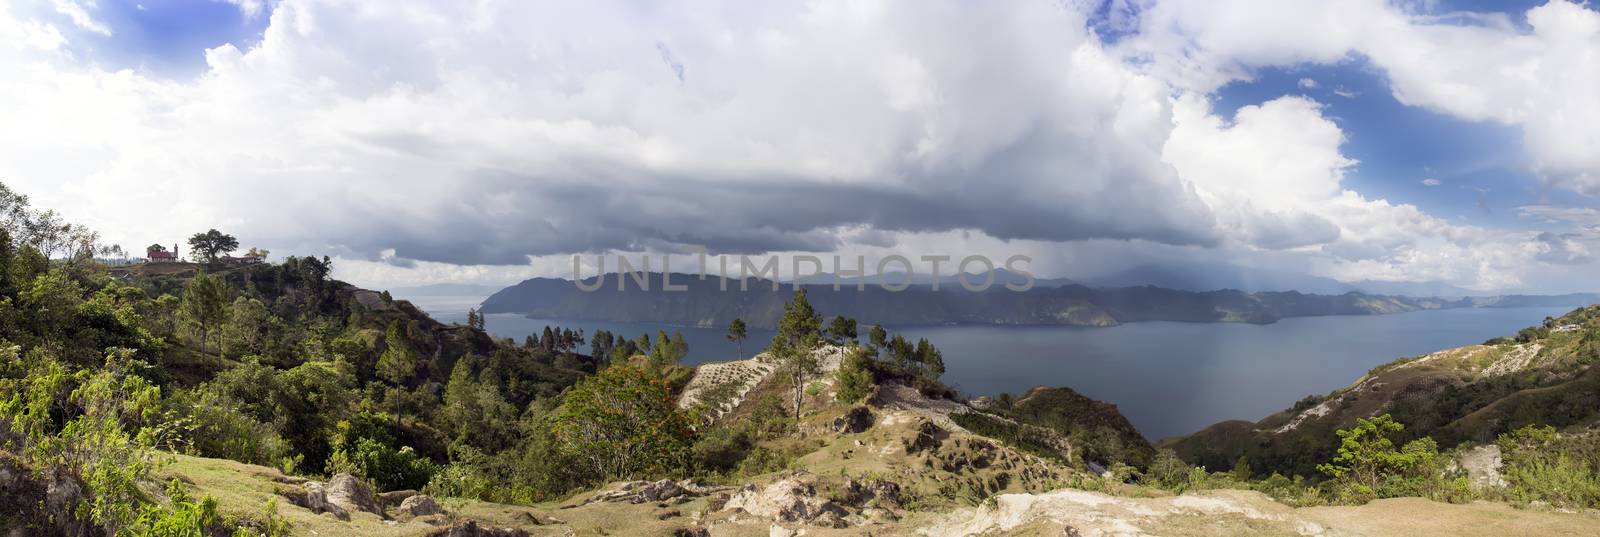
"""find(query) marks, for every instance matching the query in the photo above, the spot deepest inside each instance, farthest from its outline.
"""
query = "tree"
(853, 381)
(932, 360)
(669, 351)
(736, 333)
(246, 329)
(620, 423)
(878, 338)
(473, 320)
(799, 333)
(157, 247)
(399, 361)
(207, 247)
(842, 330)
(1367, 456)
(205, 305)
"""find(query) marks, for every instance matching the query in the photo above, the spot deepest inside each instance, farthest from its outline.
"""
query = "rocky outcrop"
(346, 491)
(394, 497)
(791, 499)
(856, 420)
(471, 528)
(665, 490)
(420, 505)
(1483, 466)
(340, 497)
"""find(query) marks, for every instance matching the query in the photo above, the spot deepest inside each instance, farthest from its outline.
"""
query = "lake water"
(1168, 378)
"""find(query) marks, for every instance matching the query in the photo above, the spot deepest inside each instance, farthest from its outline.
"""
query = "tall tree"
(207, 247)
(842, 330)
(878, 338)
(799, 333)
(737, 331)
(399, 361)
(205, 305)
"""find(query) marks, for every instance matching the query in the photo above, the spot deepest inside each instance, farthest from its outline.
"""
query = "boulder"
(394, 497)
(665, 490)
(346, 491)
(790, 499)
(420, 505)
(471, 528)
(313, 495)
(858, 419)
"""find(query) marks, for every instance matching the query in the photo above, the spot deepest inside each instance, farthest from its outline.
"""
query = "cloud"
(487, 138)
(1431, 182)
(487, 142)
(1541, 78)
(249, 8)
(78, 13)
(1306, 83)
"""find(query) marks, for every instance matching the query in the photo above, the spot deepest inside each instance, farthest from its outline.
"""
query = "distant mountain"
(1214, 276)
(445, 289)
(1001, 277)
(705, 303)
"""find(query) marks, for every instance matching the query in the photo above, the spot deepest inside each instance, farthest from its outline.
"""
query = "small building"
(162, 256)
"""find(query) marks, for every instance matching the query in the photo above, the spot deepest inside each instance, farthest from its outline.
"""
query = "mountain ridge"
(714, 301)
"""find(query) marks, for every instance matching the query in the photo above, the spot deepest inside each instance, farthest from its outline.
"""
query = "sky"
(489, 141)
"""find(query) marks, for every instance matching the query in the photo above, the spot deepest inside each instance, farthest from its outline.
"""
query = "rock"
(665, 490)
(471, 528)
(876, 492)
(928, 437)
(1483, 464)
(346, 491)
(790, 499)
(420, 505)
(313, 495)
(692, 531)
(394, 497)
(858, 419)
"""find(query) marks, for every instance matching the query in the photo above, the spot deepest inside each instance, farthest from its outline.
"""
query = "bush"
(1542, 465)
(364, 447)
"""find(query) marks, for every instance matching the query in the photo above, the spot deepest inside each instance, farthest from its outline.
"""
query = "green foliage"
(799, 333)
(210, 424)
(1543, 465)
(621, 423)
(668, 352)
(205, 308)
(364, 446)
(853, 381)
(399, 361)
(737, 332)
(1369, 466)
(208, 246)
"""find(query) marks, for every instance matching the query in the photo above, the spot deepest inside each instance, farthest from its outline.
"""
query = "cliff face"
(714, 302)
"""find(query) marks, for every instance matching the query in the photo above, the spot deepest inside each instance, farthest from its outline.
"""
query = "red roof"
(162, 255)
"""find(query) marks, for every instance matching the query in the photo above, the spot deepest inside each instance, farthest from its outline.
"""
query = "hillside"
(715, 302)
(1542, 375)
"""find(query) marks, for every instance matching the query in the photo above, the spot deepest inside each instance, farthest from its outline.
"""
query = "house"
(162, 256)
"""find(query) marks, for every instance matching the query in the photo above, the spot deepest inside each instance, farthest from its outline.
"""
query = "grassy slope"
(1467, 394)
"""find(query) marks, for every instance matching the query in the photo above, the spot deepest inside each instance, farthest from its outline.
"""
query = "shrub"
(364, 447)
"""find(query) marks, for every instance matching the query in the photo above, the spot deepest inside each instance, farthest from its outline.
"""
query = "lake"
(1168, 378)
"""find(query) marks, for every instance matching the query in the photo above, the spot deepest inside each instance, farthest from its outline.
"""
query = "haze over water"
(1168, 378)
